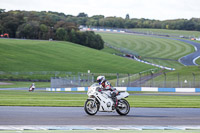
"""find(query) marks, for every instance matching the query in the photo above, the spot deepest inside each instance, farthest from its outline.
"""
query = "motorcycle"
(101, 101)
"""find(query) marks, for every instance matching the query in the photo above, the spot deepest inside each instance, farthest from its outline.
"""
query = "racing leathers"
(105, 85)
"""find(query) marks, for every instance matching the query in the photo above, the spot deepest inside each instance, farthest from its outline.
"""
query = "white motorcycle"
(101, 101)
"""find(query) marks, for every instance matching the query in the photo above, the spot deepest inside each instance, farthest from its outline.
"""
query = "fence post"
(55, 74)
(165, 80)
(193, 79)
(178, 80)
(151, 79)
(128, 80)
(79, 80)
(88, 78)
(117, 79)
(140, 79)
(92, 78)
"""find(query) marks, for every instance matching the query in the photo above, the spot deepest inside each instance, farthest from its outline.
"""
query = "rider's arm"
(108, 86)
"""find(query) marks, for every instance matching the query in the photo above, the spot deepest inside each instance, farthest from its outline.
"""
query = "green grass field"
(168, 32)
(18, 84)
(147, 46)
(185, 73)
(31, 55)
(187, 76)
(198, 61)
(41, 98)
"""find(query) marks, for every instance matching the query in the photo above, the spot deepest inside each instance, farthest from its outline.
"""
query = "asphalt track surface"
(189, 60)
(15, 115)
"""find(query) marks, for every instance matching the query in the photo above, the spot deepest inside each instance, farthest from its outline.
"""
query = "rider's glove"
(99, 89)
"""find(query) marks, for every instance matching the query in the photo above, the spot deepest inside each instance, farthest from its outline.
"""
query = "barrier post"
(128, 79)
(178, 80)
(79, 80)
(151, 79)
(140, 79)
(117, 79)
(164, 80)
(193, 79)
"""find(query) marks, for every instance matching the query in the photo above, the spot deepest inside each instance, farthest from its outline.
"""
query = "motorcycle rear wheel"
(123, 107)
(91, 107)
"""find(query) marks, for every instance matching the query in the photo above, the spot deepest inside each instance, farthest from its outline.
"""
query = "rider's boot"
(114, 98)
(115, 102)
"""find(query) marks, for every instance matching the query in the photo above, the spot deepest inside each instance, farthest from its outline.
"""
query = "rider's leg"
(114, 98)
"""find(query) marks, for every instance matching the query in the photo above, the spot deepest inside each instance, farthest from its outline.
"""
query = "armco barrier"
(163, 67)
(153, 89)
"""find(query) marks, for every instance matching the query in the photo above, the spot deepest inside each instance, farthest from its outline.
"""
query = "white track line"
(81, 127)
(194, 60)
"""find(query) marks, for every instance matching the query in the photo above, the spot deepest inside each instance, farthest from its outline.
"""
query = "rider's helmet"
(100, 79)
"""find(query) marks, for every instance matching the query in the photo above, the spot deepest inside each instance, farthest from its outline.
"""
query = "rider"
(107, 86)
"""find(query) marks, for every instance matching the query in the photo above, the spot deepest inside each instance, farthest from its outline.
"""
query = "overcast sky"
(151, 9)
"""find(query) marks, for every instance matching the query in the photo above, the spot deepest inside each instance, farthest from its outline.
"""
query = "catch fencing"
(150, 78)
(145, 79)
(86, 79)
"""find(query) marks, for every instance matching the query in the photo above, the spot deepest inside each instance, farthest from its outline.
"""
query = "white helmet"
(100, 79)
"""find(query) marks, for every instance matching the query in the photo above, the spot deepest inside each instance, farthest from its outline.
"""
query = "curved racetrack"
(189, 60)
(76, 116)
(157, 46)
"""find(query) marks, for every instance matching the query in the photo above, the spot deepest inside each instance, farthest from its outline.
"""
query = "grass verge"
(42, 98)
(198, 61)
(17, 84)
(147, 46)
(36, 56)
(189, 73)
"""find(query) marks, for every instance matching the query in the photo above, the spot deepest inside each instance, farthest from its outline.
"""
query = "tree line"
(118, 22)
(46, 25)
(59, 26)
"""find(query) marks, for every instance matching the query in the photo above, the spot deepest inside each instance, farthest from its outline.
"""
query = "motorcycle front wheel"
(91, 107)
(123, 107)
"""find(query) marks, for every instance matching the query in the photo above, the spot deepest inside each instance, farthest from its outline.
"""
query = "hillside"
(32, 55)
(151, 47)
